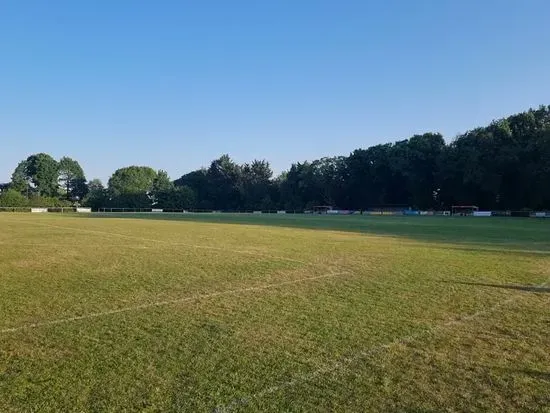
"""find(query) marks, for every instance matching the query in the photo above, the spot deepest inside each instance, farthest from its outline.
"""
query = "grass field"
(166, 313)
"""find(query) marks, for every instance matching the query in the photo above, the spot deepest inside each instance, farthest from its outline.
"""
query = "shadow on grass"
(527, 288)
(535, 374)
(540, 375)
(502, 233)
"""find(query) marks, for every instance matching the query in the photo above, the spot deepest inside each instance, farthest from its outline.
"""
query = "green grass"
(478, 231)
(273, 313)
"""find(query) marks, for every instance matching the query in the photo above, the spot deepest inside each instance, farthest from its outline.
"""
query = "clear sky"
(175, 84)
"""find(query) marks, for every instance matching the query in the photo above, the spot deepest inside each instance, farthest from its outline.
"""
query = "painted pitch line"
(343, 363)
(206, 247)
(197, 297)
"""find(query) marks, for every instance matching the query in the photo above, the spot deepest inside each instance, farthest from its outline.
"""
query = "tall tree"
(421, 166)
(42, 170)
(162, 182)
(131, 187)
(224, 179)
(19, 179)
(298, 187)
(197, 181)
(177, 197)
(256, 185)
(97, 194)
(166, 195)
(71, 178)
(132, 180)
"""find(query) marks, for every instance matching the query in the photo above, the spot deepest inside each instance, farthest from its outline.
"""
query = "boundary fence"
(373, 212)
(367, 212)
(61, 210)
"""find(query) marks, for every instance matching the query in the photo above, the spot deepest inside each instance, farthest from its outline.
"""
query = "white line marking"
(342, 363)
(167, 302)
(206, 247)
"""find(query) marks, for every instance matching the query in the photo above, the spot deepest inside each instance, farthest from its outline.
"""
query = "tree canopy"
(71, 178)
(504, 165)
(42, 170)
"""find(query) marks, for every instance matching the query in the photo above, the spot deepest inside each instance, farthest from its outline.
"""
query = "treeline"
(40, 180)
(505, 165)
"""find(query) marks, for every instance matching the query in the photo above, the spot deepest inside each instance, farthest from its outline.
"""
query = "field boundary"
(164, 303)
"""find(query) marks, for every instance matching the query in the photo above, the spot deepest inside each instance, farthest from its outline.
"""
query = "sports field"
(172, 313)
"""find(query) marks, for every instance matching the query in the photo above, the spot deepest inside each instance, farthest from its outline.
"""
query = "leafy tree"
(256, 185)
(167, 195)
(224, 180)
(504, 165)
(162, 182)
(329, 176)
(198, 182)
(42, 170)
(71, 178)
(131, 187)
(177, 197)
(19, 179)
(296, 186)
(132, 180)
(12, 198)
(420, 171)
(97, 194)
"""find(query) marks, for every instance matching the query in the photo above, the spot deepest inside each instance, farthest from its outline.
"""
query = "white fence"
(373, 212)
(61, 210)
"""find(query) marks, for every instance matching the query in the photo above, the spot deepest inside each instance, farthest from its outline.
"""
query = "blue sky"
(175, 84)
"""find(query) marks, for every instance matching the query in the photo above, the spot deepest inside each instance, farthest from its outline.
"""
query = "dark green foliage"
(503, 166)
(256, 185)
(71, 178)
(12, 198)
(97, 195)
(131, 187)
(42, 170)
(224, 183)
(162, 182)
(197, 181)
(45, 182)
(132, 180)
(180, 197)
(19, 179)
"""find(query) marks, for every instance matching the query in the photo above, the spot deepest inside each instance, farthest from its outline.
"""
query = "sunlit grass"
(185, 315)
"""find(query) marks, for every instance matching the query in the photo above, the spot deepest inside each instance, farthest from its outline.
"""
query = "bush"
(43, 201)
(13, 198)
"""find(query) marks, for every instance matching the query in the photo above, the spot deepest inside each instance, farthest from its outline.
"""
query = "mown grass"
(478, 231)
(357, 314)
